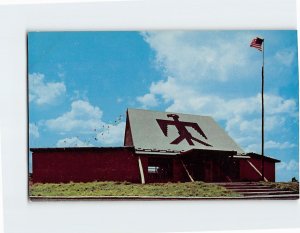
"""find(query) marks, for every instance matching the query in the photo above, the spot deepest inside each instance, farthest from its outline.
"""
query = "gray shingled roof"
(148, 134)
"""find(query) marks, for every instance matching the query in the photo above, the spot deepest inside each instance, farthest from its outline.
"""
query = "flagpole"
(259, 44)
(262, 114)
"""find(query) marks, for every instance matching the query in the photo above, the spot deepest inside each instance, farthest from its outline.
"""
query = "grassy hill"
(99, 189)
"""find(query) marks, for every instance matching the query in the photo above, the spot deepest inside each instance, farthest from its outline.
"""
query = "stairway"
(255, 190)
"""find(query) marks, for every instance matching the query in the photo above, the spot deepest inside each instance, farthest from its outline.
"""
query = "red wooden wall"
(247, 173)
(107, 164)
(178, 172)
(58, 165)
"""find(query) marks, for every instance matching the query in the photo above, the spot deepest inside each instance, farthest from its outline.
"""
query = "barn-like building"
(158, 147)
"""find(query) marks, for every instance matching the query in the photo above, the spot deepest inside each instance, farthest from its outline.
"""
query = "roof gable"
(128, 135)
(175, 131)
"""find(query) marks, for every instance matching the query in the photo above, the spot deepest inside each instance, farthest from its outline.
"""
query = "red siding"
(128, 135)
(121, 164)
(83, 166)
(247, 173)
(179, 173)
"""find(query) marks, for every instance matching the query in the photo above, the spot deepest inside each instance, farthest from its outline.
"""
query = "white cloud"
(242, 116)
(285, 171)
(72, 142)
(256, 147)
(191, 64)
(114, 134)
(277, 145)
(274, 122)
(86, 120)
(292, 165)
(238, 126)
(148, 100)
(41, 92)
(83, 118)
(212, 57)
(276, 105)
(285, 56)
(34, 130)
(61, 74)
(183, 97)
(79, 95)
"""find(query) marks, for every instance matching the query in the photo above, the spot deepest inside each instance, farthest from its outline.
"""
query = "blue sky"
(81, 83)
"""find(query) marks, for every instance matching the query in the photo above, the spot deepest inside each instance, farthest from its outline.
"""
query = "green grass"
(99, 189)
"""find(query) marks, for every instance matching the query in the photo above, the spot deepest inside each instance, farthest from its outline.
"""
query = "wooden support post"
(185, 168)
(252, 165)
(141, 170)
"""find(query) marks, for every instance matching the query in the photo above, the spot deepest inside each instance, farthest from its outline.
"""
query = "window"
(153, 169)
(160, 169)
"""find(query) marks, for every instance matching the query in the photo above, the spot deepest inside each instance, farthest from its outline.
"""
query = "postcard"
(187, 114)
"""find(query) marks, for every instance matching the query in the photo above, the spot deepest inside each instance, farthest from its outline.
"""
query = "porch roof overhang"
(199, 152)
(259, 156)
(209, 152)
(156, 152)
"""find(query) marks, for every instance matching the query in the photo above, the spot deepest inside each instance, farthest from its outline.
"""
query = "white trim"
(252, 165)
(191, 178)
(141, 171)
(154, 153)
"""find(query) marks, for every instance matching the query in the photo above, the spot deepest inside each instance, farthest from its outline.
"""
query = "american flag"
(257, 43)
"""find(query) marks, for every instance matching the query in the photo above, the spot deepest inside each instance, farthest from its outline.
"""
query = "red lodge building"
(158, 147)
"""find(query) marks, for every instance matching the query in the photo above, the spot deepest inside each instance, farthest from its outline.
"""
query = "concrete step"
(235, 183)
(247, 187)
(241, 184)
(254, 190)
